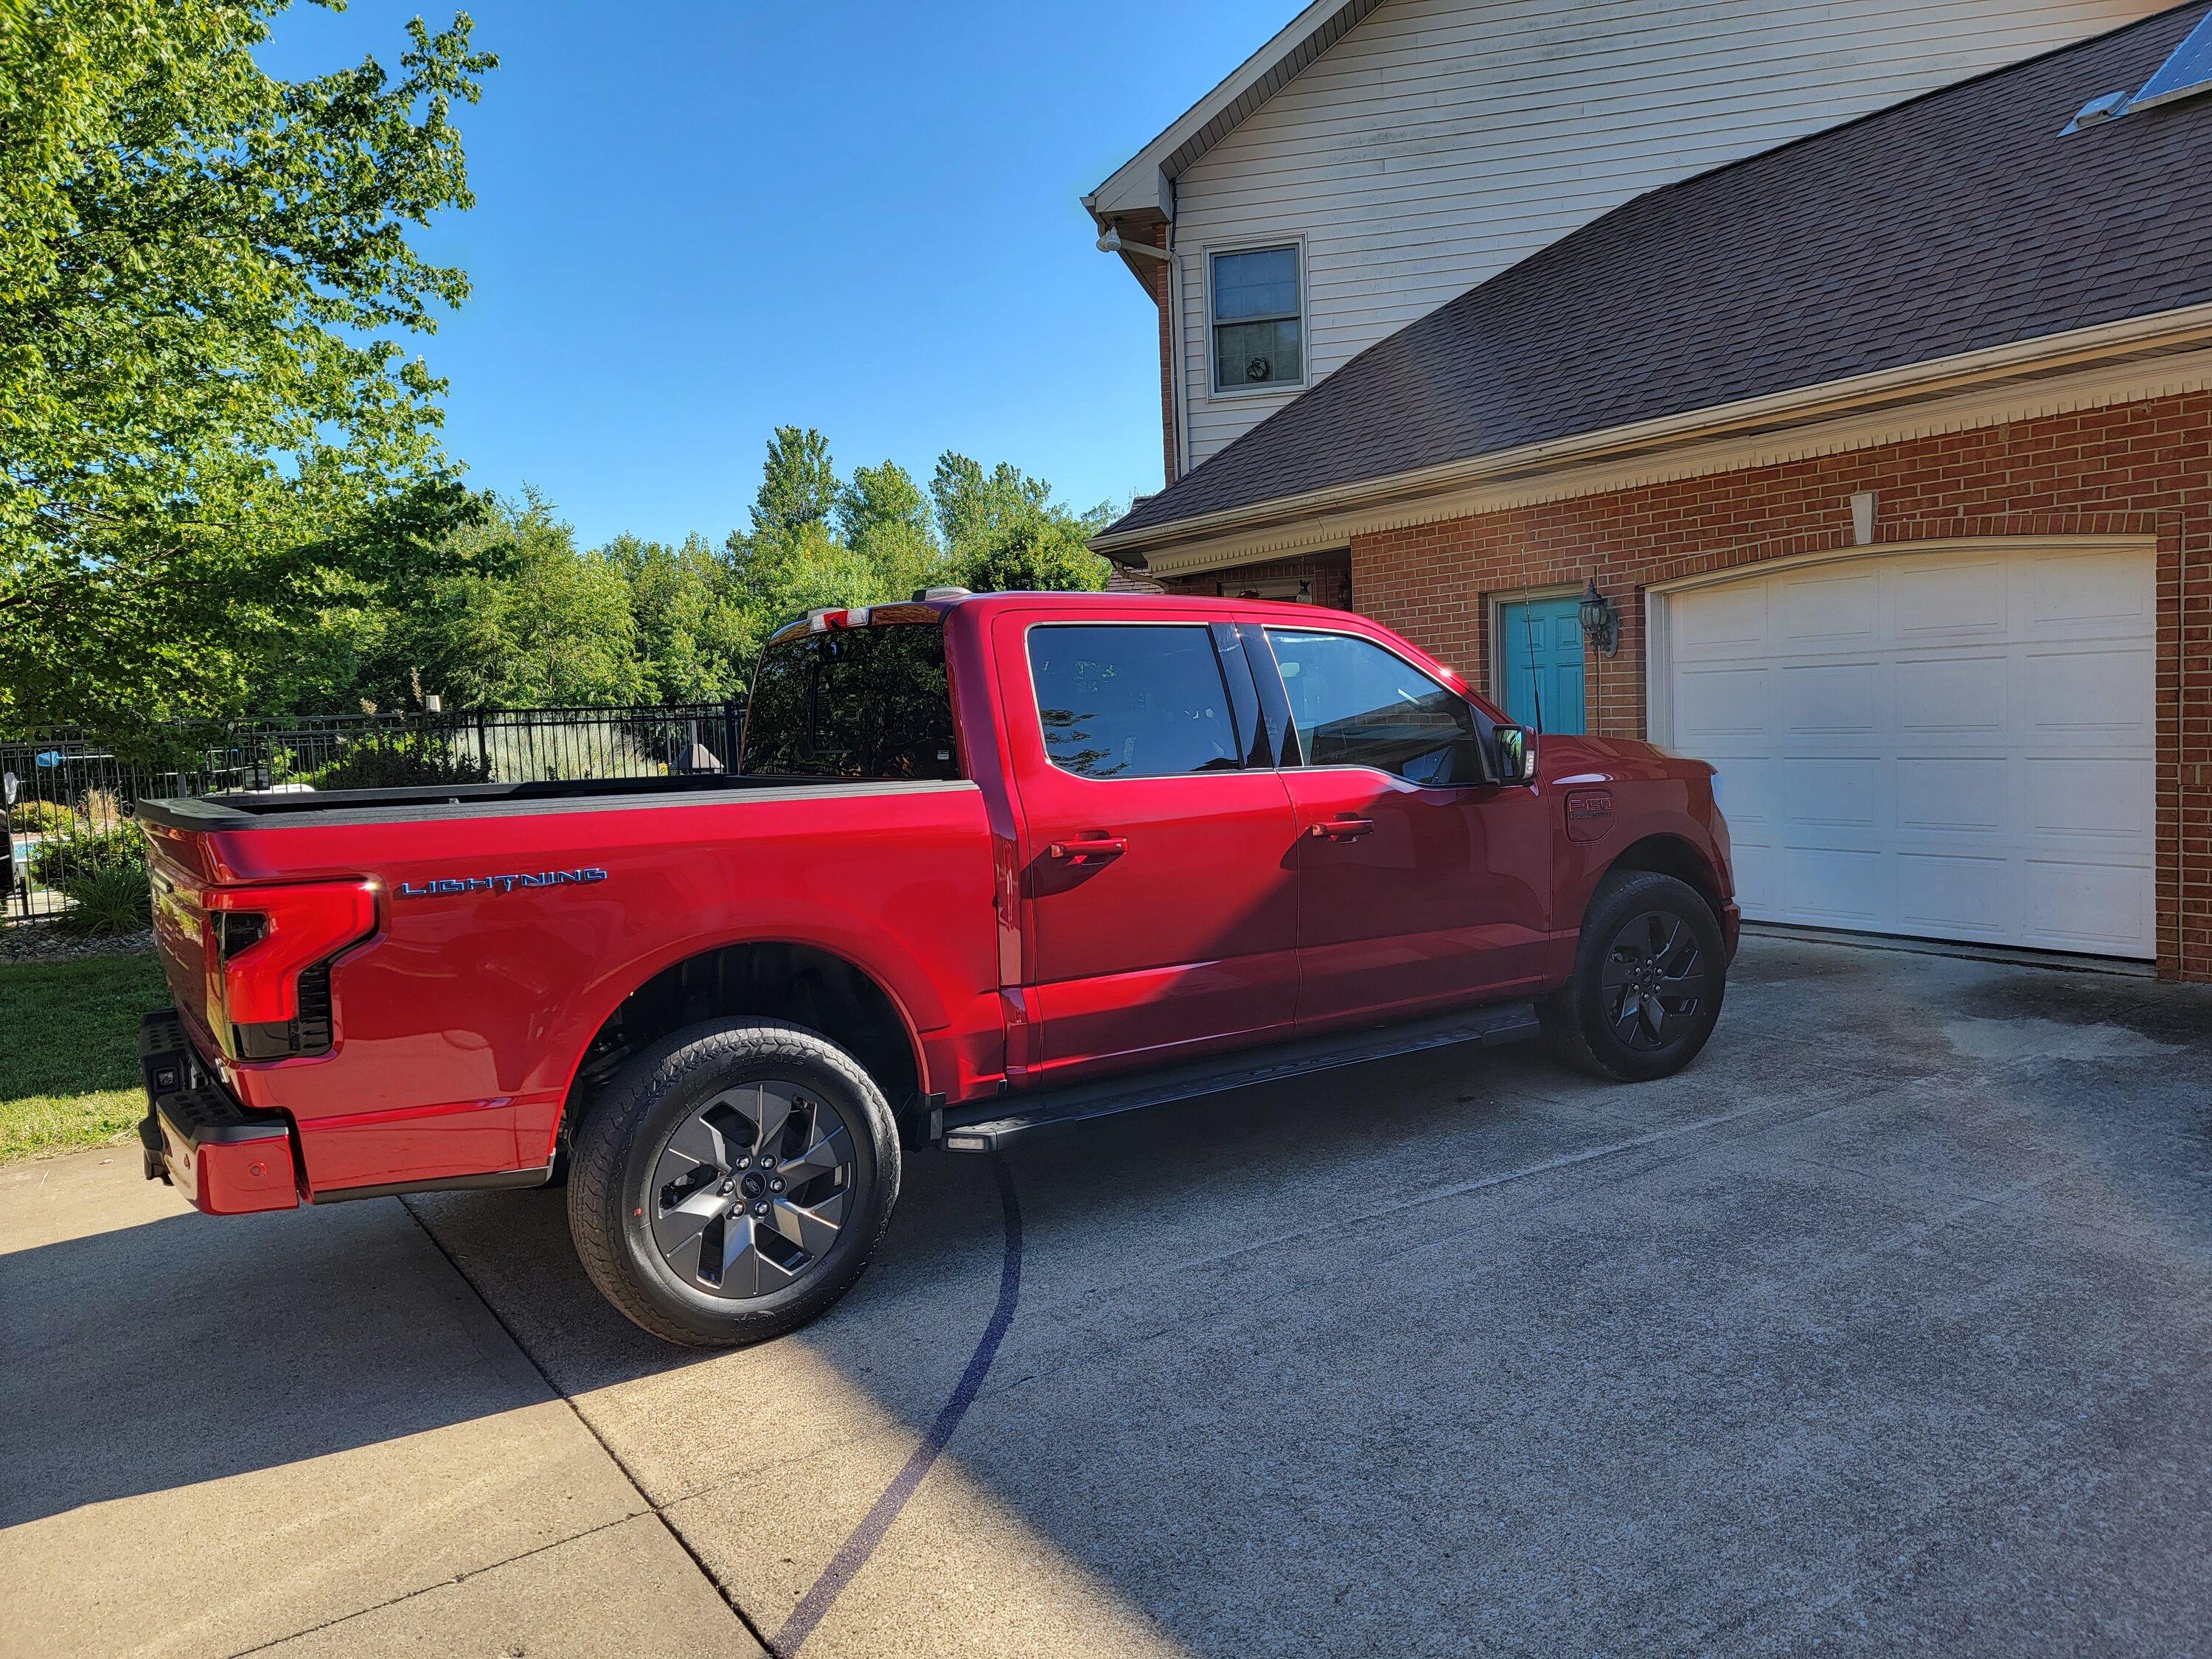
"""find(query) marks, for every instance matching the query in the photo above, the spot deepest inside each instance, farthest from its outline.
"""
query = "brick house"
(1890, 448)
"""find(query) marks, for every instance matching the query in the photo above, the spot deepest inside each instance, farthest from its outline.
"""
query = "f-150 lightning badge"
(444, 885)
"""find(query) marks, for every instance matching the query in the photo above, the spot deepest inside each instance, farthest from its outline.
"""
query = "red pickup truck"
(987, 865)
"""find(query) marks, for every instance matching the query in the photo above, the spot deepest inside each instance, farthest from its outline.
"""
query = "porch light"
(1600, 621)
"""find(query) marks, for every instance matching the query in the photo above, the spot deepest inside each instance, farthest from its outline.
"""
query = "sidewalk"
(206, 1456)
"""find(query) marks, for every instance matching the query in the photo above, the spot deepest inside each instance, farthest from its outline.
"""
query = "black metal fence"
(72, 796)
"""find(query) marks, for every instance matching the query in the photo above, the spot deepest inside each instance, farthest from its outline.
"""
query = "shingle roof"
(1956, 222)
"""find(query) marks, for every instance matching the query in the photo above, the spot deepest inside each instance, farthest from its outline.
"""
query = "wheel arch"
(801, 983)
(1667, 854)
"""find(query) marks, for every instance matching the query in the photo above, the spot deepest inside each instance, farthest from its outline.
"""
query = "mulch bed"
(41, 942)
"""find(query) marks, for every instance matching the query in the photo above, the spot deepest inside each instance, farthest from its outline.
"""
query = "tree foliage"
(503, 609)
(222, 490)
(201, 404)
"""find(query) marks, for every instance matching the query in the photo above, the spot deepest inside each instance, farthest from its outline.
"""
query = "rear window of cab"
(856, 703)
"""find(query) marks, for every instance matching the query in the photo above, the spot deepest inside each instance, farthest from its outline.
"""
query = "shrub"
(106, 901)
(69, 860)
(41, 818)
(398, 762)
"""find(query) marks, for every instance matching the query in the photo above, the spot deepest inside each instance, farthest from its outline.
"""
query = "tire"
(676, 1140)
(1642, 929)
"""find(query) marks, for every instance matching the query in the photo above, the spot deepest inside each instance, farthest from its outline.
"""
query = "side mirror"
(1517, 755)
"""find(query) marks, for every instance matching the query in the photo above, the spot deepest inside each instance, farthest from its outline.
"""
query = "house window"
(1259, 336)
(1293, 590)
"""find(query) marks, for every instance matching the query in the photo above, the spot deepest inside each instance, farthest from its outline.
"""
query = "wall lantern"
(1600, 620)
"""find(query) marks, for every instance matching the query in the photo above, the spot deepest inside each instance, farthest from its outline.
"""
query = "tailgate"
(180, 931)
(248, 962)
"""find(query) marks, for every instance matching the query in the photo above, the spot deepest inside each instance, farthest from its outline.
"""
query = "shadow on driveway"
(1888, 1323)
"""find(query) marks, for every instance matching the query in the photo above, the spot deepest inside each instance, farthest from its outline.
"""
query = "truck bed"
(512, 921)
(266, 808)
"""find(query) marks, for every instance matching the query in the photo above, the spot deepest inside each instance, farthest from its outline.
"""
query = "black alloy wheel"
(1649, 974)
(1654, 980)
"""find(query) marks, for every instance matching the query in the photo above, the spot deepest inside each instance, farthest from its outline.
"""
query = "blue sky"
(697, 221)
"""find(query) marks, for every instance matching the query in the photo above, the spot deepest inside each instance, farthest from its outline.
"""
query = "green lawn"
(68, 1052)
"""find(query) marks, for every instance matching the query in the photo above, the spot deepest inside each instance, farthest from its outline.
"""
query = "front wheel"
(732, 1182)
(1649, 976)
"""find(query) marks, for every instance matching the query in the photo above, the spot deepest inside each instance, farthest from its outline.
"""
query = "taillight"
(269, 947)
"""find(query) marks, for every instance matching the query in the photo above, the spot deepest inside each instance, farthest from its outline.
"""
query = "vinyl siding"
(1440, 141)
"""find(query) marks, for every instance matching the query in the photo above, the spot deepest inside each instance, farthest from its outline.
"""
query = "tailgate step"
(990, 1126)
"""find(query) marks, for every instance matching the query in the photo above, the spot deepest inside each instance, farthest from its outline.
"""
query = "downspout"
(1179, 364)
(1110, 241)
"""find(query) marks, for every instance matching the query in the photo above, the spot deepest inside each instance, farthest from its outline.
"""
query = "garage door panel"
(2077, 906)
(2096, 689)
(1758, 888)
(1950, 598)
(1963, 696)
(1837, 885)
(1835, 793)
(1713, 702)
(2086, 593)
(1750, 786)
(2076, 796)
(1828, 611)
(1956, 744)
(1735, 617)
(1955, 897)
(1832, 697)
(1951, 796)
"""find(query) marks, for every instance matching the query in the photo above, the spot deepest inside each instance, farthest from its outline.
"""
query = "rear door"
(1158, 876)
(1420, 882)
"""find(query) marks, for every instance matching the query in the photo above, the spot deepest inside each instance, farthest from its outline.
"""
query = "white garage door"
(1954, 744)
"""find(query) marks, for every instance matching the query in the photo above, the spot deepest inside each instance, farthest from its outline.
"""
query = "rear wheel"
(1649, 976)
(732, 1182)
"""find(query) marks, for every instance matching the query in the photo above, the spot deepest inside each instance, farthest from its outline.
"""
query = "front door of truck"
(1420, 882)
(1158, 879)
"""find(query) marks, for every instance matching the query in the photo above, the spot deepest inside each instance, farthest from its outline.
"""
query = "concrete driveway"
(1889, 1325)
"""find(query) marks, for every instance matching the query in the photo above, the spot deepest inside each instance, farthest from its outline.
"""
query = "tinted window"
(861, 702)
(1132, 702)
(1355, 704)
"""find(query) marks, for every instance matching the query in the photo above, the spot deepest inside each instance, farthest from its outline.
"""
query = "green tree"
(887, 521)
(695, 640)
(799, 484)
(523, 620)
(1044, 551)
(203, 415)
(974, 508)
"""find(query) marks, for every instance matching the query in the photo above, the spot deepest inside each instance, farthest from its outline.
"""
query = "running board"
(990, 1126)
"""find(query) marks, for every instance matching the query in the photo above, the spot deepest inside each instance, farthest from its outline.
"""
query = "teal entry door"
(1539, 653)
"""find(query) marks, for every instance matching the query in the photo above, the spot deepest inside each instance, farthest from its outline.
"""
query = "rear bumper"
(226, 1159)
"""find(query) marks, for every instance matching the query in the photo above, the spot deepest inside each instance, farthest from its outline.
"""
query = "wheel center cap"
(753, 1186)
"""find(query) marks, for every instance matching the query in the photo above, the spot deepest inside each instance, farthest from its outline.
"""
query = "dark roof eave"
(2153, 334)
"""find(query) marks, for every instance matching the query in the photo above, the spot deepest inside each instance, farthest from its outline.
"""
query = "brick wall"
(2133, 468)
(1329, 573)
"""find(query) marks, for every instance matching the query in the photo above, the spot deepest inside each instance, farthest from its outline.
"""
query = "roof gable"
(1957, 221)
(1140, 184)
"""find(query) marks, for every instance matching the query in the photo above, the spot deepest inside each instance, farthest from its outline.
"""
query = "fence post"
(730, 723)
